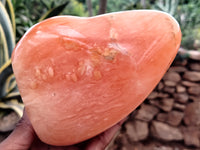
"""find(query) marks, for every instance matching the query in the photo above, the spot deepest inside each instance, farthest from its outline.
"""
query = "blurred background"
(29, 12)
(168, 119)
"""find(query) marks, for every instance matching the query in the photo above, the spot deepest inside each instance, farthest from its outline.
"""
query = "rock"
(181, 97)
(162, 148)
(137, 130)
(189, 84)
(160, 86)
(154, 146)
(175, 117)
(170, 83)
(194, 90)
(183, 62)
(192, 76)
(169, 89)
(162, 117)
(180, 89)
(194, 98)
(120, 140)
(146, 112)
(178, 69)
(192, 114)
(128, 147)
(172, 76)
(172, 118)
(131, 146)
(165, 104)
(191, 136)
(191, 54)
(194, 66)
(165, 132)
(153, 95)
(8, 122)
(163, 95)
(179, 106)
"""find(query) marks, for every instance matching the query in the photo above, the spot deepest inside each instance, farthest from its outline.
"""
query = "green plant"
(54, 11)
(118, 5)
(187, 14)
(169, 6)
(26, 16)
(22, 17)
(75, 8)
(9, 95)
(189, 20)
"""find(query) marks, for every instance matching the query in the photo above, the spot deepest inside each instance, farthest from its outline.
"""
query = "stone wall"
(170, 117)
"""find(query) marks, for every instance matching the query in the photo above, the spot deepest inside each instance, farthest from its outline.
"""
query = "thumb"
(101, 141)
(22, 136)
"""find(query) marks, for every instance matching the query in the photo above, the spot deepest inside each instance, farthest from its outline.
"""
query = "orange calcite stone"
(80, 76)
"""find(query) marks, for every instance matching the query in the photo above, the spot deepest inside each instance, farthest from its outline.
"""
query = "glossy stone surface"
(79, 76)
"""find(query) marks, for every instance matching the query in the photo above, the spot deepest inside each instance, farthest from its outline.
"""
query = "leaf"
(169, 6)
(5, 66)
(10, 83)
(4, 56)
(54, 11)
(14, 105)
(3, 2)
(12, 15)
(46, 4)
(14, 94)
(174, 4)
(7, 27)
(5, 71)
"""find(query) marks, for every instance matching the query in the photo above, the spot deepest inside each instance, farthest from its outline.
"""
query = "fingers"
(101, 141)
(22, 136)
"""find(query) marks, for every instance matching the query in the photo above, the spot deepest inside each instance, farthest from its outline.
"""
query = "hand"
(24, 138)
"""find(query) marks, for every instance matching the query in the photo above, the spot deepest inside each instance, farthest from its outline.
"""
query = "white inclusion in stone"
(118, 47)
(50, 71)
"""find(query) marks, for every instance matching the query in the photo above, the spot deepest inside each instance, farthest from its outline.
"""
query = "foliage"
(75, 8)
(169, 6)
(119, 5)
(54, 11)
(187, 14)
(9, 95)
(116, 5)
(22, 17)
(26, 16)
(189, 20)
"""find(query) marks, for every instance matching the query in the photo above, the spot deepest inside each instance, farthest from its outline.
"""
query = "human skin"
(23, 137)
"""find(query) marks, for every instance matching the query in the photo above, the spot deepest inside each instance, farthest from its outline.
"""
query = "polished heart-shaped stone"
(80, 76)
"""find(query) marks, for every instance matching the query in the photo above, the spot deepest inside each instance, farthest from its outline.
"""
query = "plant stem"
(89, 5)
(102, 6)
